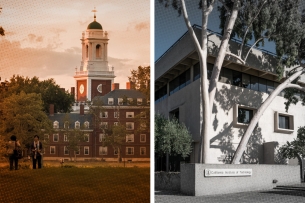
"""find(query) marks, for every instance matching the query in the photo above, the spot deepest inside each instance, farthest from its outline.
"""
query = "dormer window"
(66, 125)
(139, 101)
(86, 124)
(77, 125)
(120, 101)
(129, 101)
(56, 124)
(110, 101)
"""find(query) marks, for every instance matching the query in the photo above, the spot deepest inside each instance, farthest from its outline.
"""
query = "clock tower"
(94, 77)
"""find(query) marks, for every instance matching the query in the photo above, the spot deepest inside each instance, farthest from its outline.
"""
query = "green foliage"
(171, 137)
(22, 114)
(50, 92)
(295, 148)
(140, 80)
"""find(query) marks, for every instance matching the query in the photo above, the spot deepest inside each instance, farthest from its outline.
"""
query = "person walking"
(36, 148)
(12, 152)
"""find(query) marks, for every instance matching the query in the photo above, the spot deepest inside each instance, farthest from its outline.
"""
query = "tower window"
(87, 51)
(98, 51)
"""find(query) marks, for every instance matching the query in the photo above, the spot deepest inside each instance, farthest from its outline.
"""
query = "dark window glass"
(262, 85)
(270, 86)
(254, 83)
(236, 78)
(174, 86)
(161, 93)
(188, 76)
(284, 122)
(196, 71)
(246, 81)
(244, 115)
(226, 75)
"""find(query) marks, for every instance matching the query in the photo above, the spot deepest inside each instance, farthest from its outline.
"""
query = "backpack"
(18, 152)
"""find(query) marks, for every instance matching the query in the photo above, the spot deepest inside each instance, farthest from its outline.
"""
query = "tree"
(140, 80)
(50, 92)
(278, 21)
(171, 137)
(22, 114)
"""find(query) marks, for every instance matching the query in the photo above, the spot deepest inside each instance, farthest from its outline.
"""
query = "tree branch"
(210, 8)
(242, 44)
(295, 86)
(235, 56)
(224, 5)
(253, 46)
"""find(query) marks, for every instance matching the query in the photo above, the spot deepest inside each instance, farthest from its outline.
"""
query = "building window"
(142, 150)
(142, 137)
(116, 123)
(130, 138)
(55, 137)
(52, 149)
(104, 114)
(77, 125)
(102, 137)
(98, 51)
(104, 125)
(284, 123)
(120, 101)
(46, 137)
(77, 151)
(110, 101)
(116, 114)
(129, 125)
(56, 124)
(129, 150)
(86, 125)
(143, 126)
(139, 101)
(180, 82)
(160, 94)
(66, 125)
(143, 114)
(129, 114)
(103, 151)
(86, 137)
(66, 151)
(244, 115)
(129, 101)
(86, 150)
(66, 139)
(116, 151)
(87, 54)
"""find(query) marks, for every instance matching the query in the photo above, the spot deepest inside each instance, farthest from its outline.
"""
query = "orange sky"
(43, 37)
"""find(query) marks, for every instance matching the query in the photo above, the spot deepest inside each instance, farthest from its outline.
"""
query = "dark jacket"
(35, 147)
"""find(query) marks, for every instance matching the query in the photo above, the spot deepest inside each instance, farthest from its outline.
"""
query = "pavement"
(285, 194)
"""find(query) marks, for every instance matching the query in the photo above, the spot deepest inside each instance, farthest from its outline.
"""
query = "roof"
(94, 25)
(72, 118)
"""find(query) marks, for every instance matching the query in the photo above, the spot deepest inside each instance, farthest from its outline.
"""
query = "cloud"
(141, 26)
(33, 38)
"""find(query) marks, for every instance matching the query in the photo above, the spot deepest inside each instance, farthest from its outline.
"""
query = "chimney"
(72, 90)
(51, 110)
(82, 109)
(128, 85)
(115, 86)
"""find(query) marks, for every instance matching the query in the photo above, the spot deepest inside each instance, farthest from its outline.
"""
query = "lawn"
(100, 184)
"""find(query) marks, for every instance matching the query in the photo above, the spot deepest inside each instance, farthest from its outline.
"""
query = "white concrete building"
(241, 90)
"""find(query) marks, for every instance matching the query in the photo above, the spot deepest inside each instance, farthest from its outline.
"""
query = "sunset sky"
(42, 38)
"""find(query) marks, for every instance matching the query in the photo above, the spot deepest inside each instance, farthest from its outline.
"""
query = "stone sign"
(227, 172)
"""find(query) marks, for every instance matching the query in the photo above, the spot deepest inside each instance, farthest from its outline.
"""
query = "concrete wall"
(194, 183)
(167, 181)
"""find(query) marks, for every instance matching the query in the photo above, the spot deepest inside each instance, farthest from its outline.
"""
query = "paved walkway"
(294, 193)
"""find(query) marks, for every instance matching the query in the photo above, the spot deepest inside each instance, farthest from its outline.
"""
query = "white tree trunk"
(244, 140)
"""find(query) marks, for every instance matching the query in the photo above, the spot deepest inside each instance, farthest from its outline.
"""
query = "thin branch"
(224, 5)
(235, 56)
(189, 26)
(295, 86)
(242, 44)
(253, 46)
(210, 9)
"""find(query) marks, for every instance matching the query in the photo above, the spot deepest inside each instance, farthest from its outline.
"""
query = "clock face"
(81, 88)
(99, 88)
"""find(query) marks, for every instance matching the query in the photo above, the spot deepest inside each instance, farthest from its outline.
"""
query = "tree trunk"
(167, 162)
(244, 140)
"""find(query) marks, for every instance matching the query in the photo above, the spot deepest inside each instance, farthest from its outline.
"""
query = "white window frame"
(104, 114)
(130, 114)
(120, 101)
(56, 124)
(54, 137)
(102, 137)
(86, 124)
(129, 137)
(77, 125)
(66, 125)
(65, 150)
(103, 149)
(86, 147)
(277, 129)
(52, 147)
(139, 101)
(110, 101)
(131, 150)
(132, 125)
(144, 151)
(142, 135)
(129, 101)
(116, 114)
(104, 125)
(86, 137)
(66, 139)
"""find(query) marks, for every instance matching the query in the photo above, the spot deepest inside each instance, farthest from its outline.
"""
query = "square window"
(120, 101)
(139, 101)
(244, 115)
(102, 138)
(129, 150)
(129, 125)
(66, 151)
(129, 114)
(52, 149)
(142, 137)
(110, 101)
(104, 114)
(86, 137)
(104, 125)
(284, 123)
(86, 150)
(103, 150)
(130, 138)
(142, 150)
(55, 137)
(116, 114)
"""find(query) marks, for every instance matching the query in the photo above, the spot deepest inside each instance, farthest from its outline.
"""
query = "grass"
(99, 184)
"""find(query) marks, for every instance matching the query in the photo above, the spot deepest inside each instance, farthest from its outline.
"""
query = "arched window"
(86, 124)
(77, 125)
(98, 51)
(55, 124)
(66, 125)
(87, 51)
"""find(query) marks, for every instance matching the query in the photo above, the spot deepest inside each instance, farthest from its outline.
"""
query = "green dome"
(94, 25)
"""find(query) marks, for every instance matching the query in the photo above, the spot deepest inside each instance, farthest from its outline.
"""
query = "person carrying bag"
(13, 147)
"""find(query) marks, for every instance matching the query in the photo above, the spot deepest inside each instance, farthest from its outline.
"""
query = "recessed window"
(86, 137)
(283, 122)
(142, 137)
(66, 151)
(104, 114)
(116, 114)
(244, 115)
(129, 150)
(142, 150)
(120, 101)
(55, 137)
(86, 150)
(110, 101)
(130, 138)
(103, 150)
(139, 101)
(129, 114)
(77, 125)
(55, 124)
(52, 149)
(129, 125)
(104, 125)
(66, 138)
